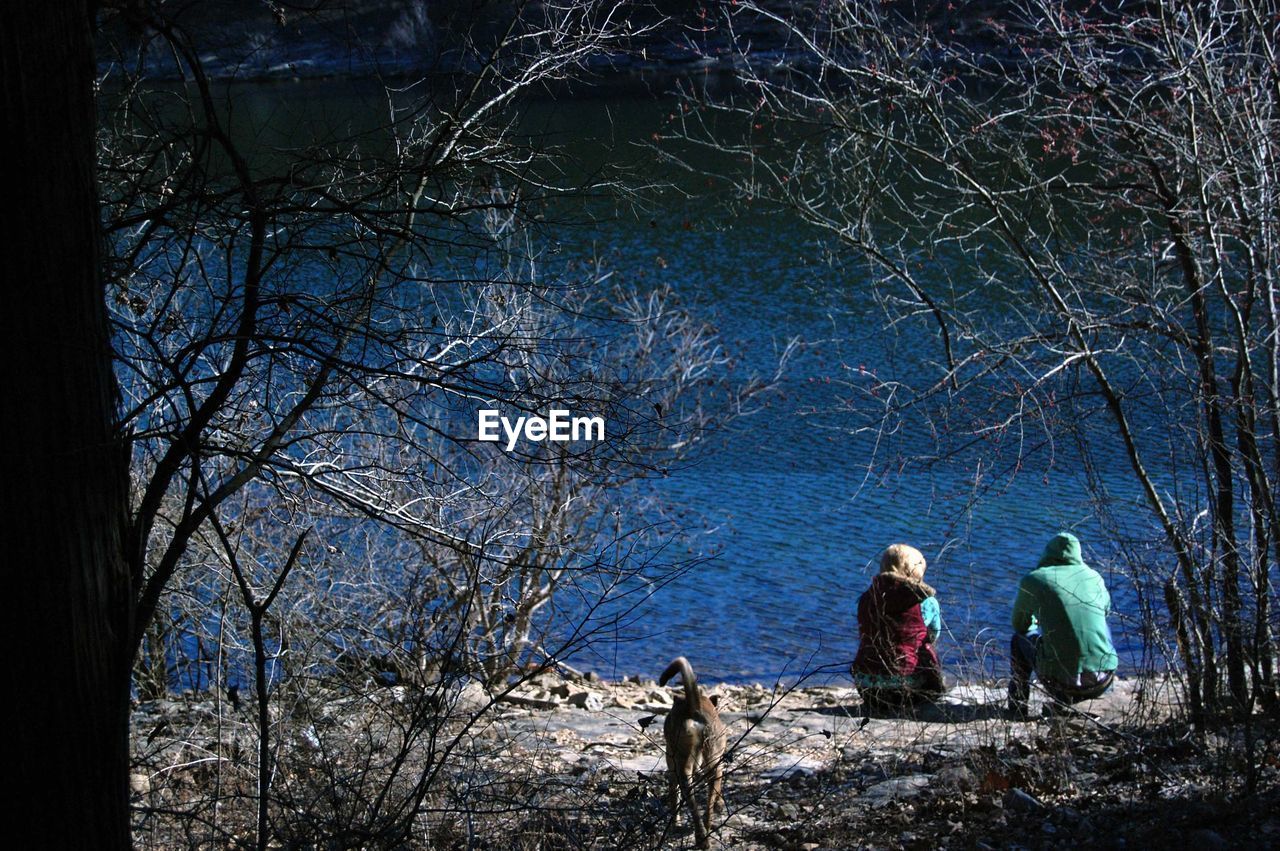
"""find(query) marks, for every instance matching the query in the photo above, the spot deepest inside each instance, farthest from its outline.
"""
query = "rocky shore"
(777, 732)
(806, 769)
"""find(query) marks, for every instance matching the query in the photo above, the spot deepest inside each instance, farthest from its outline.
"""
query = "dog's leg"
(673, 796)
(711, 773)
(699, 829)
(715, 795)
(673, 789)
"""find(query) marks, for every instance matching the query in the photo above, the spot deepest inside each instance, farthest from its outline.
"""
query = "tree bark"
(66, 468)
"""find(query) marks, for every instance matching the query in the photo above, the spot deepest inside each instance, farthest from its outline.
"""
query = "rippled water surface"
(800, 503)
(795, 501)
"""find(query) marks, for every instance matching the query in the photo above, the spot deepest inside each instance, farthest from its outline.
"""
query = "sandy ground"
(790, 749)
(581, 761)
(774, 733)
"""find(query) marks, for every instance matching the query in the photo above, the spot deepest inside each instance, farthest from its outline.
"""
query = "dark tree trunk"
(67, 592)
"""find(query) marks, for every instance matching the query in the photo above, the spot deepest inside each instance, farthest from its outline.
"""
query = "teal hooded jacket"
(1069, 601)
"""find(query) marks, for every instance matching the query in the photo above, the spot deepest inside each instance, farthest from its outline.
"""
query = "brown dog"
(695, 749)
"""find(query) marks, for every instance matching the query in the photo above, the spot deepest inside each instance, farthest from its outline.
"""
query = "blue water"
(800, 497)
(787, 508)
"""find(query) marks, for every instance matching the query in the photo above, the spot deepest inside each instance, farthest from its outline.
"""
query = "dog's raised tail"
(681, 666)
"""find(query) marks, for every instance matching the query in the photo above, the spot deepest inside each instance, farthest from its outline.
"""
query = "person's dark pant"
(1022, 659)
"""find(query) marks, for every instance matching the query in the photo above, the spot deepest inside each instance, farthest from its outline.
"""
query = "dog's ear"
(715, 700)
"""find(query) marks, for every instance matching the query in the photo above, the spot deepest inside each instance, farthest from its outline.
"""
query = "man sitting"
(1072, 654)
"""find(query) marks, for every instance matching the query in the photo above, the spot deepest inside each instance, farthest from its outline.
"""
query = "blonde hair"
(903, 560)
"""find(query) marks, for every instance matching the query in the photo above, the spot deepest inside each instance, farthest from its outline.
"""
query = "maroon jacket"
(893, 638)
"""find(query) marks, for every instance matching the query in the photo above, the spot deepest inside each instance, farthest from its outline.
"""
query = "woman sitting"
(898, 623)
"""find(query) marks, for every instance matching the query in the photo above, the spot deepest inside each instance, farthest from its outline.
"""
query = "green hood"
(1063, 549)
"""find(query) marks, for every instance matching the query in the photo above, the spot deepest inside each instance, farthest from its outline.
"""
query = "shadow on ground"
(946, 713)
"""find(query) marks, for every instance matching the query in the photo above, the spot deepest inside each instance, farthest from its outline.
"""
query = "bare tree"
(304, 334)
(252, 293)
(1081, 204)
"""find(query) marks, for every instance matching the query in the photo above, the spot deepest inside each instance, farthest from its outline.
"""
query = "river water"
(800, 497)
(793, 503)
